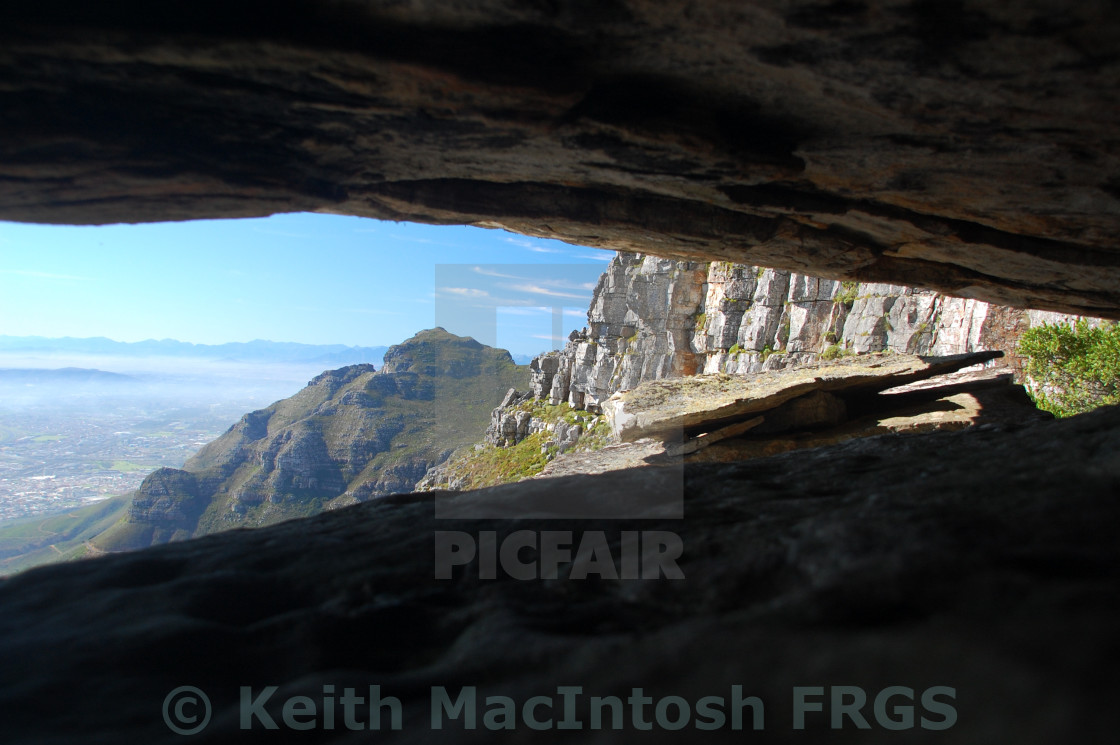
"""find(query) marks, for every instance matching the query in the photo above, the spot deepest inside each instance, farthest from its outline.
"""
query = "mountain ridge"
(257, 350)
(352, 434)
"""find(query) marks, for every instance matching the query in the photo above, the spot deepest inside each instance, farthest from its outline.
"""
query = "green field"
(123, 466)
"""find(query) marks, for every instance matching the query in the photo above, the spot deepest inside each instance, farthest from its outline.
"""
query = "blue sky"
(316, 279)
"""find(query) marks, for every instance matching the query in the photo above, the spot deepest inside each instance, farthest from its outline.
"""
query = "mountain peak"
(437, 351)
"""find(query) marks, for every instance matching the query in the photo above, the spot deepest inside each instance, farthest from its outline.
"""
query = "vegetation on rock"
(849, 291)
(1072, 369)
(489, 465)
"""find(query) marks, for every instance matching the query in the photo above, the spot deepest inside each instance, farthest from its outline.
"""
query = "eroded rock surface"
(652, 318)
(967, 146)
(950, 402)
(962, 559)
(702, 402)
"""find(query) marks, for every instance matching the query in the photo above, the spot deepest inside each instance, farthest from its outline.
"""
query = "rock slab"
(665, 407)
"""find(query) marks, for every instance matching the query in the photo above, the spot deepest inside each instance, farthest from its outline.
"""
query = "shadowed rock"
(980, 569)
(967, 146)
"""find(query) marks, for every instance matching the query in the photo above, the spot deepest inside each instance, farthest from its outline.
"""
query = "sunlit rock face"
(967, 146)
(653, 318)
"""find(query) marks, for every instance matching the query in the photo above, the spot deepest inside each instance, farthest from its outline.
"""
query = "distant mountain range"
(253, 351)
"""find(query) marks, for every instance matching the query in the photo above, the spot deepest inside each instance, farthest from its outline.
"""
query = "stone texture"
(961, 559)
(949, 408)
(651, 319)
(967, 146)
(949, 402)
(702, 402)
(168, 499)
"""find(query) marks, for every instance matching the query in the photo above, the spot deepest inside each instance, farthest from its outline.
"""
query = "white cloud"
(538, 290)
(492, 273)
(566, 284)
(465, 291)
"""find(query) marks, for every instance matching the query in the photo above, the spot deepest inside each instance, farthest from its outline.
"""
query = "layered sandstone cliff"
(653, 318)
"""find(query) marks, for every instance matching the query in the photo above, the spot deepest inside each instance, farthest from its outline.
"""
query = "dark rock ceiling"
(963, 145)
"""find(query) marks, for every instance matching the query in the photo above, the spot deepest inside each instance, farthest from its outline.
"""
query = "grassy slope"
(488, 465)
(43, 540)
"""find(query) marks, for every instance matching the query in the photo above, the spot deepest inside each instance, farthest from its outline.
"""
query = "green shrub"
(736, 349)
(848, 293)
(833, 352)
(1072, 370)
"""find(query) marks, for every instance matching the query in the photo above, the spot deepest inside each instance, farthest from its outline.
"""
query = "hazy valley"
(83, 420)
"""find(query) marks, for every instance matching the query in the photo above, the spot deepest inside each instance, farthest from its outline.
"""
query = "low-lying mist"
(81, 428)
(81, 382)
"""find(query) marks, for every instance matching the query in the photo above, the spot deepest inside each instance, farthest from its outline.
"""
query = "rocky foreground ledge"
(984, 560)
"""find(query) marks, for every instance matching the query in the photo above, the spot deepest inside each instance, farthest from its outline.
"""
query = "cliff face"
(351, 434)
(169, 500)
(654, 318)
